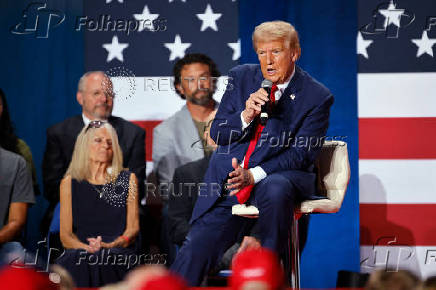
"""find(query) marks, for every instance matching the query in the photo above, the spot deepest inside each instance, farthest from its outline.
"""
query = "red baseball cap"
(167, 282)
(24, 279)
(256, 265)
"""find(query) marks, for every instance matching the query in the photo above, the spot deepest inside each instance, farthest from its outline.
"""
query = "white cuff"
(244, 124)
(258, 174)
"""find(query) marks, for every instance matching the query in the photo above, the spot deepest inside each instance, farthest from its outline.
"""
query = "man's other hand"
(239, 177)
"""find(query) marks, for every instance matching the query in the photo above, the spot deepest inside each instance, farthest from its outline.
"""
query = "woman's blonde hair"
(274, 30)
(79, 168)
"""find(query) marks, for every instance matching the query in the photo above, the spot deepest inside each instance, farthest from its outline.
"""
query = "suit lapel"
(72, 131)
(114, 122)
(256, 83)
(190, 130)
(188, 134)
(78, 125)
(290, 97)
(283, 115)
(123, 137)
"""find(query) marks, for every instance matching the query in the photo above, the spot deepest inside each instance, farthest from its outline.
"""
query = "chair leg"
(295, 259)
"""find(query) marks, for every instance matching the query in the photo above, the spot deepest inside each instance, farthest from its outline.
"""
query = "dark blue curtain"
(39, 76)
(327, 31)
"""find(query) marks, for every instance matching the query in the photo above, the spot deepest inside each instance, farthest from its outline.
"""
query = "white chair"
(333, 176)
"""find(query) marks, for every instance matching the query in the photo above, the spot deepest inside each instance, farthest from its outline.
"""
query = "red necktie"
(244, 193)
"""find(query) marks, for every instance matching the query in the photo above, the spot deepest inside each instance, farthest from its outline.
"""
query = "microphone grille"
(266, 83)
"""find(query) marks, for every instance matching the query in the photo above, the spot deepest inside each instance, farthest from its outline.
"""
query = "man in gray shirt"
(16, 193)
(180, 138)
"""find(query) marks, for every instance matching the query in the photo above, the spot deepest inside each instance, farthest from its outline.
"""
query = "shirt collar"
(86, 121)
(283, 86)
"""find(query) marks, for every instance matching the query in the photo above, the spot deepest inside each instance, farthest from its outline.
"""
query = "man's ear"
(294, 55)
(180, 89)
(79, 97)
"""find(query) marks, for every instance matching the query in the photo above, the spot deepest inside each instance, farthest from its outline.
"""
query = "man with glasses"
(95, 95)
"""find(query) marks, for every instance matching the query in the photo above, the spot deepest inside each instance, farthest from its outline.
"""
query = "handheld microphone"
(266, 85)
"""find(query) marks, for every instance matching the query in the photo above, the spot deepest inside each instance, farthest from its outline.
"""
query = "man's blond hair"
(277, 30)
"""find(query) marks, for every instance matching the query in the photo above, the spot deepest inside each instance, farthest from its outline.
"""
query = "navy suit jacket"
(289, 143)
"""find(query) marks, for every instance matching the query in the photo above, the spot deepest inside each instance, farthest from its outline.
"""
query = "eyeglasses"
(95, 124)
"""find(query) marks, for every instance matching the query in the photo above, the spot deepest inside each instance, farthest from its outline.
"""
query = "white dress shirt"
(257, 172)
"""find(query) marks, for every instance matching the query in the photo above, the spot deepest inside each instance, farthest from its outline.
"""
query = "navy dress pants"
(214, 232)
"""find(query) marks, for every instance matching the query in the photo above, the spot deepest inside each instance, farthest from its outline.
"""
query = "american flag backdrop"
(397, 133)
(104, 35)
(141, 60)
(396, 55)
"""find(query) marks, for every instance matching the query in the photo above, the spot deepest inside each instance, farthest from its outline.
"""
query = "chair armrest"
(331, 205)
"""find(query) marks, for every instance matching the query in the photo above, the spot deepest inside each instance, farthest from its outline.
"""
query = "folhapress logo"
(38, 20)
(387, 19)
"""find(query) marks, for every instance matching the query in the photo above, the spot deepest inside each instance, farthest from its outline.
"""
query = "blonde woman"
(98, 209)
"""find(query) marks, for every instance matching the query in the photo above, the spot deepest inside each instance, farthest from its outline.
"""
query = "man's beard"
(99, 115)
(201, 101)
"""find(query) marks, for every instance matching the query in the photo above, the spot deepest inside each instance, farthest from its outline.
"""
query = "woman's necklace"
(100, 192)
(104, 189)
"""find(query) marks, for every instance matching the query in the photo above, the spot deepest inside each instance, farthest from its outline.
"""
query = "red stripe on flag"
(398, 224)
(148, 126)
(397, 138)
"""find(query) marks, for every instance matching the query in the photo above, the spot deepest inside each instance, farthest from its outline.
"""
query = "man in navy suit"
(270, 166)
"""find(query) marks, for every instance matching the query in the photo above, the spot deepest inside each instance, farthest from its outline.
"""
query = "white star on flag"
(392, 15)
(362, 45)
(115, 49)
(209, 19)
(425, 44)
(146, 19)
(236, 46)
(109, 1)
(177, 48)
(173, 1)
